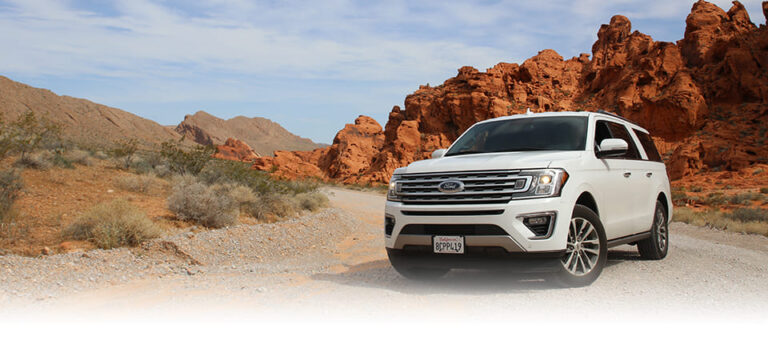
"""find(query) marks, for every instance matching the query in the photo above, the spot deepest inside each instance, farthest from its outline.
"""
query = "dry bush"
(136, 183)
(764, 190)
(743, 220)
(206, 205)
(39, 160)
(10, 190)
(78, 156)
(312, 201)
(114, 224)
(100, 155)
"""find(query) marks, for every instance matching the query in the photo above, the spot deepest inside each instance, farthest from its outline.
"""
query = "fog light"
(389, 225)
(544, 189)
(539, 220)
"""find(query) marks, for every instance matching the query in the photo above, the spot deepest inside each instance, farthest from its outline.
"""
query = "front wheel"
(586, 250)
(656, 246)
(401, 264)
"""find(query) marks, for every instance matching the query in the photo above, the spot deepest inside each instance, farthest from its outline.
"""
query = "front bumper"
(516, 237)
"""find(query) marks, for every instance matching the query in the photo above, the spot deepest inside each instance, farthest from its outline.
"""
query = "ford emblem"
(451, 186)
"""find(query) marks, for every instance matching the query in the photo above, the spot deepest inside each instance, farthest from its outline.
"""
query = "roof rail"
(612, 114)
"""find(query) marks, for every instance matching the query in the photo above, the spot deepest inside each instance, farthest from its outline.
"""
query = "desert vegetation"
(58, 194)
(743, 220)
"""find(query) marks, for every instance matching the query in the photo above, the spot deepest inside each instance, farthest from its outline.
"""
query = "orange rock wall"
(703, 98)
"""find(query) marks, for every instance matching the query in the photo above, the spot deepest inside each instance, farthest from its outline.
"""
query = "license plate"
(448, 244)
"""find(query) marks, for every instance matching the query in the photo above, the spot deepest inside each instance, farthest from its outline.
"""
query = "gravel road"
(331, 264)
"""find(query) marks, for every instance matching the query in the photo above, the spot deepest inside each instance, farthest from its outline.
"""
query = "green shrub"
(208, 206)
(679, 197)
(219, 171)
(764, 190)
(715, 199)
(10, 190)
(183, 161)
(136, 183)
(748, 214)
(124, 152)
(273, 205)
(696, 188)
(744, 198)
(113, 224)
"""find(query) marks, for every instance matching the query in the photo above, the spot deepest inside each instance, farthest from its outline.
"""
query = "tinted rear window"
(648, 145)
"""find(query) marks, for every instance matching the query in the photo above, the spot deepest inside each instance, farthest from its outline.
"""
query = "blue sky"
(311, 66)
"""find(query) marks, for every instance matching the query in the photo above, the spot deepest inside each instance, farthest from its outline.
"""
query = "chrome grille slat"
(479, 187)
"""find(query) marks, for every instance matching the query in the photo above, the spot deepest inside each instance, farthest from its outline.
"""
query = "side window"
(619, 131)
(601, 132)
(648, 145)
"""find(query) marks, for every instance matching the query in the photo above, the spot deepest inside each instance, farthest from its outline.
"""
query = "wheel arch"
(587, 200)
(662, 197)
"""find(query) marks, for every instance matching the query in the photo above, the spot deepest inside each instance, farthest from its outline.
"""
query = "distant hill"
(262, 135)
(81, 120)
(93, 124)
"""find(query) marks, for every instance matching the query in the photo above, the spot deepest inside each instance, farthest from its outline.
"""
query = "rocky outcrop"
(233, 149)
(345, 160)
(704, 98)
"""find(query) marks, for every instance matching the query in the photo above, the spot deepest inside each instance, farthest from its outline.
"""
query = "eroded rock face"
(703, 98)
(233, 149)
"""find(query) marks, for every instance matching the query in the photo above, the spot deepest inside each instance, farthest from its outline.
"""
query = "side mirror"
(612, 147)
(438, 153)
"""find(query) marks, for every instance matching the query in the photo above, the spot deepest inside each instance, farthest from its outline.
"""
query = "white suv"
(542, 192)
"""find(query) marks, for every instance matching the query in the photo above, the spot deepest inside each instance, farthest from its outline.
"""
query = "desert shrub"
(715, 199)
(10, 190)
(679, 197)
(748, 214)
(696, 188)
(113, 224)
(744, 198)
(162, 171)
(100, 155)
(208, 206)
(233, 172)
(312, 201)
(136, 183)
(28, 133)
(42, 160)
(684, 214)
(124, 151)
(764, 190)
(77, 156)
(182, 161)
(273, 205)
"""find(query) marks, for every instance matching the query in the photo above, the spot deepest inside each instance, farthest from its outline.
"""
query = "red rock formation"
(705, 98)
(234, 149)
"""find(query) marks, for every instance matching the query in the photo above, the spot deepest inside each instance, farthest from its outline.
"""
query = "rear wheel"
(656, 246)
(586, 249)
(401, 264)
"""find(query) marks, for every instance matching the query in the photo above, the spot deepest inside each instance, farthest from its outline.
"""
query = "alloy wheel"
(583, 247)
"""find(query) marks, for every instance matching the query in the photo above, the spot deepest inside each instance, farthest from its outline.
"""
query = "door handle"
(627, 174)
(649, 174)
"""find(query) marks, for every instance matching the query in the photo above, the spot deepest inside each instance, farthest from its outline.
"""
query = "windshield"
(567, 133)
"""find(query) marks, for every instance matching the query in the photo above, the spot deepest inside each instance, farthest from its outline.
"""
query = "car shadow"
(380, 274)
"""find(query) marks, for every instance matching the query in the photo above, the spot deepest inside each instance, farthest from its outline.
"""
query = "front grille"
(454, 213)
(419, 229)
(480, 187)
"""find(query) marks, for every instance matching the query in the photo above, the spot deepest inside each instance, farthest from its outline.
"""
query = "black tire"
(585, 247)
(401, 264)
(656, 246)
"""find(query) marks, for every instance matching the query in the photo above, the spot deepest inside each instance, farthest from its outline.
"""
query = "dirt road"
(332, 265)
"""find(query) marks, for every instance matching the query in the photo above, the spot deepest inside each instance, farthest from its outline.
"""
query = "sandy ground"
(332, 266)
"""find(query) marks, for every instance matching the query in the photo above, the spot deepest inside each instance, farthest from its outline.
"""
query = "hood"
(490, 161)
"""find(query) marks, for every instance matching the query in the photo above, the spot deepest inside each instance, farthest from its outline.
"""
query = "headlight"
(544, 183)
(394, 189)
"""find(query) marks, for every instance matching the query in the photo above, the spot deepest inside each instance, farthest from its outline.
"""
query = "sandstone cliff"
(704, 99)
